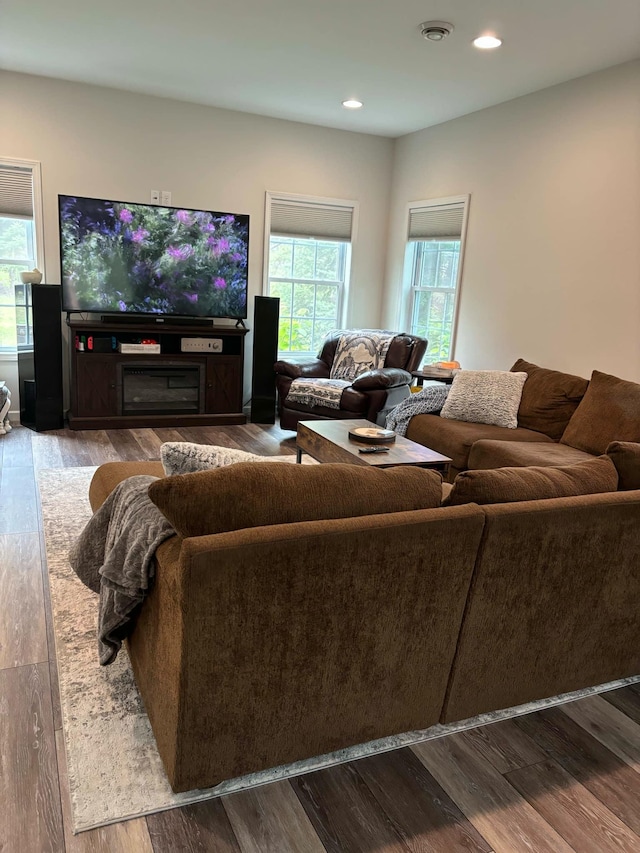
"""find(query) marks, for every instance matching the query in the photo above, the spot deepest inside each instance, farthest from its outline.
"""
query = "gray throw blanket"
(114, 557)
(430, 399)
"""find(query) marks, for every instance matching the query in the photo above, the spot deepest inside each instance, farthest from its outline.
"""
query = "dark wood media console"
(114, 390)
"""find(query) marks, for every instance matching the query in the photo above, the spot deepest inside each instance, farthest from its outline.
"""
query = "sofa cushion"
(609, 411)
(507, 485)
(255, 494)
(455, 438)
(519, 454)
(549, 398)
(485, 397)
(626, 457)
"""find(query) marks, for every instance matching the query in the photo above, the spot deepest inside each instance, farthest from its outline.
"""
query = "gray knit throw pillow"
(485, 397)
(183, 457)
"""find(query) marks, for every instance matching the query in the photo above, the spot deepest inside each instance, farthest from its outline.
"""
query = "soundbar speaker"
(40, 366)
(265, 354)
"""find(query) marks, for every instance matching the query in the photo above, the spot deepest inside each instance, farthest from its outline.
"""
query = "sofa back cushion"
(549, 398)
(626, 457)
(253, 494)
(508, 485)
(609, 411)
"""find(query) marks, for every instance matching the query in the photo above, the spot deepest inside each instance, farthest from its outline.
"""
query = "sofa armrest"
(109, 474)
(381, 379)
(296, 370)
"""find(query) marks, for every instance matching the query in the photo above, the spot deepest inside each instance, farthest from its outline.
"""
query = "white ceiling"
(297, 59)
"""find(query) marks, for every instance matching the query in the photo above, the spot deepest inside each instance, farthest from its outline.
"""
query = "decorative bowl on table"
(373, 435)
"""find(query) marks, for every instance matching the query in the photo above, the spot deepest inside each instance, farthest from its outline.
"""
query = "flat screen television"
(147, 259)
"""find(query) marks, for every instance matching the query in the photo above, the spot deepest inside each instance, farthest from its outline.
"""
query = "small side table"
(5, 405)
(445, 376)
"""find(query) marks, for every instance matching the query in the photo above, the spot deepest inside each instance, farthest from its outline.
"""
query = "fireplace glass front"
(172, 389)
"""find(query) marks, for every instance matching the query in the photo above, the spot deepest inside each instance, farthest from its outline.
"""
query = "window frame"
(344, 311)
(410, 265)
(38, 235)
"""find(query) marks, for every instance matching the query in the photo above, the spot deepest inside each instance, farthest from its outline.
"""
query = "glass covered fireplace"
(163, 388)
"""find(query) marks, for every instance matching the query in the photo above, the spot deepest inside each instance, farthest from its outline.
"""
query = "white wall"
(105, 143)
(552, 266)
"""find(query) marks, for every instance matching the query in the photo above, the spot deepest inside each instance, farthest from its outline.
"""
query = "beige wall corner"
(552, 267)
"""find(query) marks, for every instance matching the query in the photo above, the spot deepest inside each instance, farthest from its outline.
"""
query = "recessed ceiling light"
(352, 104)
(487, 42)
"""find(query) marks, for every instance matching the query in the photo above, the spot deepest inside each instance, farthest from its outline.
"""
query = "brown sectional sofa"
(562, 419)
(264, 645)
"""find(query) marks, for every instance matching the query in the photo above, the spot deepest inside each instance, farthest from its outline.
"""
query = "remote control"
(375, 449)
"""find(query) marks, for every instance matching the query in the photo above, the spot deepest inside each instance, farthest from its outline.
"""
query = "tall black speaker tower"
(40, 366)
(265, 354)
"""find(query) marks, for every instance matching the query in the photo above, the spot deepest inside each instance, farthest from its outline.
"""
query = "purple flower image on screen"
(139, 235)
(151, 259)
(180, 253)
(219, 246)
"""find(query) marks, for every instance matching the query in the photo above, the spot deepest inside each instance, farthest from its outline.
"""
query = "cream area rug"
(115, 772)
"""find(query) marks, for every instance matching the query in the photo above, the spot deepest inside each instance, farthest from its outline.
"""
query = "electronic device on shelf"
(156, 262)
(201, 344)
(131, 349)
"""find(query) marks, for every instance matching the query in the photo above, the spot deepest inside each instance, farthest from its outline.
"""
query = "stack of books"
(441, 369)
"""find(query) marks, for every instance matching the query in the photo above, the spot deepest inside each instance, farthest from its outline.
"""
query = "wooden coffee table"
(328, 441)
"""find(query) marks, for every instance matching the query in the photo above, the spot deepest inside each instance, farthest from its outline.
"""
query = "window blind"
(305, 219)
(16, 191)
(437, 222)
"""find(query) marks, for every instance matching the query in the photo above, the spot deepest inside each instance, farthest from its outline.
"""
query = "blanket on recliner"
(114, 556)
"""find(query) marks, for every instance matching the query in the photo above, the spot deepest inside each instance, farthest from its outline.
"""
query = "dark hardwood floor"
(562, 779)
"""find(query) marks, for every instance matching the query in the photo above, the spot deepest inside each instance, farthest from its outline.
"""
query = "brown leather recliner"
(370, 396)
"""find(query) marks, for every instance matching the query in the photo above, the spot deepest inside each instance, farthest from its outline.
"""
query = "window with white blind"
(308, 259)
(19, 189)
(433, 266)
